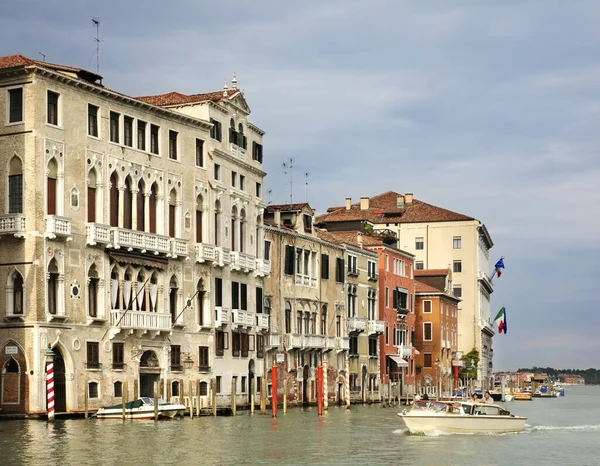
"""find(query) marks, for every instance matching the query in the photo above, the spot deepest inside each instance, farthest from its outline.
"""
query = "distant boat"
(142, 408)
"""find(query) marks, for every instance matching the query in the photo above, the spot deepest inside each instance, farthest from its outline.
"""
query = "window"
(427, 331)
(52, 110)
(258, 190)
(267, 253)
(92, 120)
(387, 297)
(203, 389)
(118, 389)
(15, 105)
(427, 360)
(93, 390)
(260, 346)
(141, 135)
(373, 346)
(53, 284)
(288, 317)
(176, 358)
(234, 179)
(93, 282)
(154, 146)
(387, 335)
(352, 267)
(93, 355)
(457, 242)
(217, 171)
(235, 295)
(203, 361)
(290, 259)
(114, 127)
(400, 298)
(324, 266)
(199, 153)
(457, 291)
(339, 270)
(419, 243)
(372, 269)
(221, 342)
(173, 144)
(257, 152)
(118, 355)
(399, 267)
(15, 186)
(242, 182)
(259, 300)
(236, 343)
(457, 266)
(128, 131)
(218, 292)
(353, 345)
(427, 307)
(419, 265)
(215, 131)
(218, 384)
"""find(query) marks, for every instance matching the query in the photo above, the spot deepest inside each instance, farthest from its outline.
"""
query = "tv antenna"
(289, 166)
(269, 192)
(96, 23)
(43, 56)
(306, 174)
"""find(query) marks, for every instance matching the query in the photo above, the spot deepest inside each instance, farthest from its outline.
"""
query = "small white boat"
(460, 418)
(142, 408)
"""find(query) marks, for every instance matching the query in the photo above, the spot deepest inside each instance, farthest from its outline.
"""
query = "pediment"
(239, 102)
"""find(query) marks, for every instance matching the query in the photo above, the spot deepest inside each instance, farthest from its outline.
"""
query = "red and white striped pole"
(325, 387)
(50, 382)
(320, 390)
(347, 382)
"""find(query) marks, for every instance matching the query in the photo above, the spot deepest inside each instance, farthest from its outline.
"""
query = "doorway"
(250, 380)
(305, 372)
(147, 382)
(60, 382)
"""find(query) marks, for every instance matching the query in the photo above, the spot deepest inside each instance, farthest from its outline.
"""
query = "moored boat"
(142, 408)
(460, 417)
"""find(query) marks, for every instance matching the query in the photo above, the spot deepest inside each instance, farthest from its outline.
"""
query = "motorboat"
(460, 418)
(142, 408)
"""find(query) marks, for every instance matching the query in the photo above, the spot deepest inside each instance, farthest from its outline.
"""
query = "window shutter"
(259, 300)
(244, 297)
(244, 142)
(395, 299)
(324, 266)
(290, 260)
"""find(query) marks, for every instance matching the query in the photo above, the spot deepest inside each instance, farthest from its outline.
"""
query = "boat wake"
(583, 428)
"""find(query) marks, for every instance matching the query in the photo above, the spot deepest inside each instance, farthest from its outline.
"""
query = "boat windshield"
(429, 406)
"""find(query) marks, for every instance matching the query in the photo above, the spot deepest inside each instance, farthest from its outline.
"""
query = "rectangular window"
(217, 173)
(154, 141)
(176, 358)
(259, 300)
(52, 110)
(419, 243)
(258, 190)
(427, 331)
(92, 120)
(215, 131)
(173, 144)
(419, 265)
(234, 179)
(387, 297)
(290, 260)
(15, 194)
(235, 344)
(457, 242)
(373, 346)
(242, 183)
(15, 105)
(128, 131)
(141, 135)
(93, 355)
(235, 295)
(457, 291)
(267, 254)
(324, 266)
(427, 307)
(114, 127)
(199, 153)
(260, 346)
(118, 355)
(427, 360)
(457, 266)
(218, 291)
(218, 384)
(221, 342)
(339, 270)
(243, 297)
(352, 265)
(203, 361)
(93, 390)
(257, 152)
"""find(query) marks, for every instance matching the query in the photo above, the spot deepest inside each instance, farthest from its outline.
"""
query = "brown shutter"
(114, 202)
(51, 196)
(91, 205)
(198, 226)
(127, 206)
(153, 211)
(141, 217)
(172, 221)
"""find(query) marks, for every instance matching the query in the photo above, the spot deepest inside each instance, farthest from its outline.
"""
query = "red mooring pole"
(455, 377)
(320, 390)
(50, 382)
(274, 390)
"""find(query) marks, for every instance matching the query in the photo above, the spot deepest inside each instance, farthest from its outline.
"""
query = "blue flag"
(499, 264)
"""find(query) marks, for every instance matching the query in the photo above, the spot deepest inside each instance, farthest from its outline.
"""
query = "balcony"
(330, 343)
(58, 227)
(263, 268)
(356, 324)
(262, 322)
(12, 224)
(373, 277)
(402, 312)
(405, 351)
(375, 327)
(222, 257)
(205, 253)
(179, 248)
(342, 343)
(353, 272)
(242, 261)
(97, 233)
(314, 342)
(240, 318)
(293, 340)
(222, 316)
(273, 340)
(140, 320)
(141, 241)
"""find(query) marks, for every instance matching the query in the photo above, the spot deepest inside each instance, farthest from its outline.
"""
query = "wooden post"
(233, 400)
(213, 395)
(124, 397)
(285, 395)
(320, 390)
(191, 398)
(156, 401)
(263, 395)
(85, 400)
(252, 401)
(274, 391)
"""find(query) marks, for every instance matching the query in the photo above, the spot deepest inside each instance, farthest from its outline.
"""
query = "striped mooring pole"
(50, 382)
(347, 382)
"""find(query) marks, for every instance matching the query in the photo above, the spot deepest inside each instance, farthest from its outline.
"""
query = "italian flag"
(500, 320)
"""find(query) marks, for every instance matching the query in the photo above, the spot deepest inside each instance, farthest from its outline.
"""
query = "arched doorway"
(305, 373)
(250, 379)
(60, 382)
(149, 373)
(364, 382)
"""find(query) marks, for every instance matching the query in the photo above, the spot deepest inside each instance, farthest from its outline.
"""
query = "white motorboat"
(460, 418)
(142, 408)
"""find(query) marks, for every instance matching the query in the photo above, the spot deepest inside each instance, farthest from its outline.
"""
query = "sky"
(487, 108)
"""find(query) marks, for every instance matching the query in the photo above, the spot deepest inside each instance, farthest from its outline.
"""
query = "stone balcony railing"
(205, 252)
(342, 343)
(375, 327)
(405, 351)
(240, 318)
(330, 342)
(140, 241)
(140, 320)
(273, 340)
(179, 248)
(263, 267)
(58, 227)
(294, 340)
(242, 261)
(262, 321)
(12, 224)
(356, 324)
(221, 316)
(96, 233)
(314, 342)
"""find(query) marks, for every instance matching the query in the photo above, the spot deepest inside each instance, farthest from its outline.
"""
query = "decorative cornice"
(238, 162)
(256, 129)
(295, 234)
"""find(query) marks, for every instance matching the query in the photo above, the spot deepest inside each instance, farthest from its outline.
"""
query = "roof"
(383, 209)
(14, 61)
(349, 237)
(177, 98)
(271, 208)
(421, 287)
(431, 272)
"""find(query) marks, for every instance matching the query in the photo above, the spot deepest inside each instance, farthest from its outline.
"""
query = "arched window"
(140, 207)
(91, 196)
(93, 291)
(202, 316)
(242, 141)
(288, 317)
(16, 293)
(115, 292)
(53, 287)
(114, 200)
(127, 204)
(153, 293)
(11, 366)
(172, 212)
(173, 292)
(15, 186)
(233, 228)
(93, 390)
(140, 292)
(118, 389)
(199, 219)
(203, 389)
(175, 388)
(217, 226)
(324, 320)
(51, 185)
(242, 230)
(152, 207)
(127, 301)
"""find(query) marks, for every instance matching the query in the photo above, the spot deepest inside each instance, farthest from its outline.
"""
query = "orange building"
(436, 334)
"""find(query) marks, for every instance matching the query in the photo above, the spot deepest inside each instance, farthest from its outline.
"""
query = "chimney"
(359, 240)
(399, 201)
(348, 203)
(409, 198)
(277, 218)
(364, 203)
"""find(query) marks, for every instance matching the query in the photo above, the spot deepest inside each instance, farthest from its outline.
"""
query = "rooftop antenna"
(269, 192)
(96, 23)
(306, 174)
(289, 166)
(43, 56)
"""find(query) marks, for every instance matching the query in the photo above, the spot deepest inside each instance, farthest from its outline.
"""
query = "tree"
(470, 364)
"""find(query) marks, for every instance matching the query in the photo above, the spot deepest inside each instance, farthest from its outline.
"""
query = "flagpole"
(128, 306)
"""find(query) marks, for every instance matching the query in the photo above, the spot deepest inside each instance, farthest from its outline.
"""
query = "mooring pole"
(50, 382)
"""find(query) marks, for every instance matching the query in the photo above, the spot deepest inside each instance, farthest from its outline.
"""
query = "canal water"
(563, 431)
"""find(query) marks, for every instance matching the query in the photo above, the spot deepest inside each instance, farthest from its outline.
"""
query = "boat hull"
(139, 414)
(453, 424)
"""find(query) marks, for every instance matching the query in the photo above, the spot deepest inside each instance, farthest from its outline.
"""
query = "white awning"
(398, 360)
